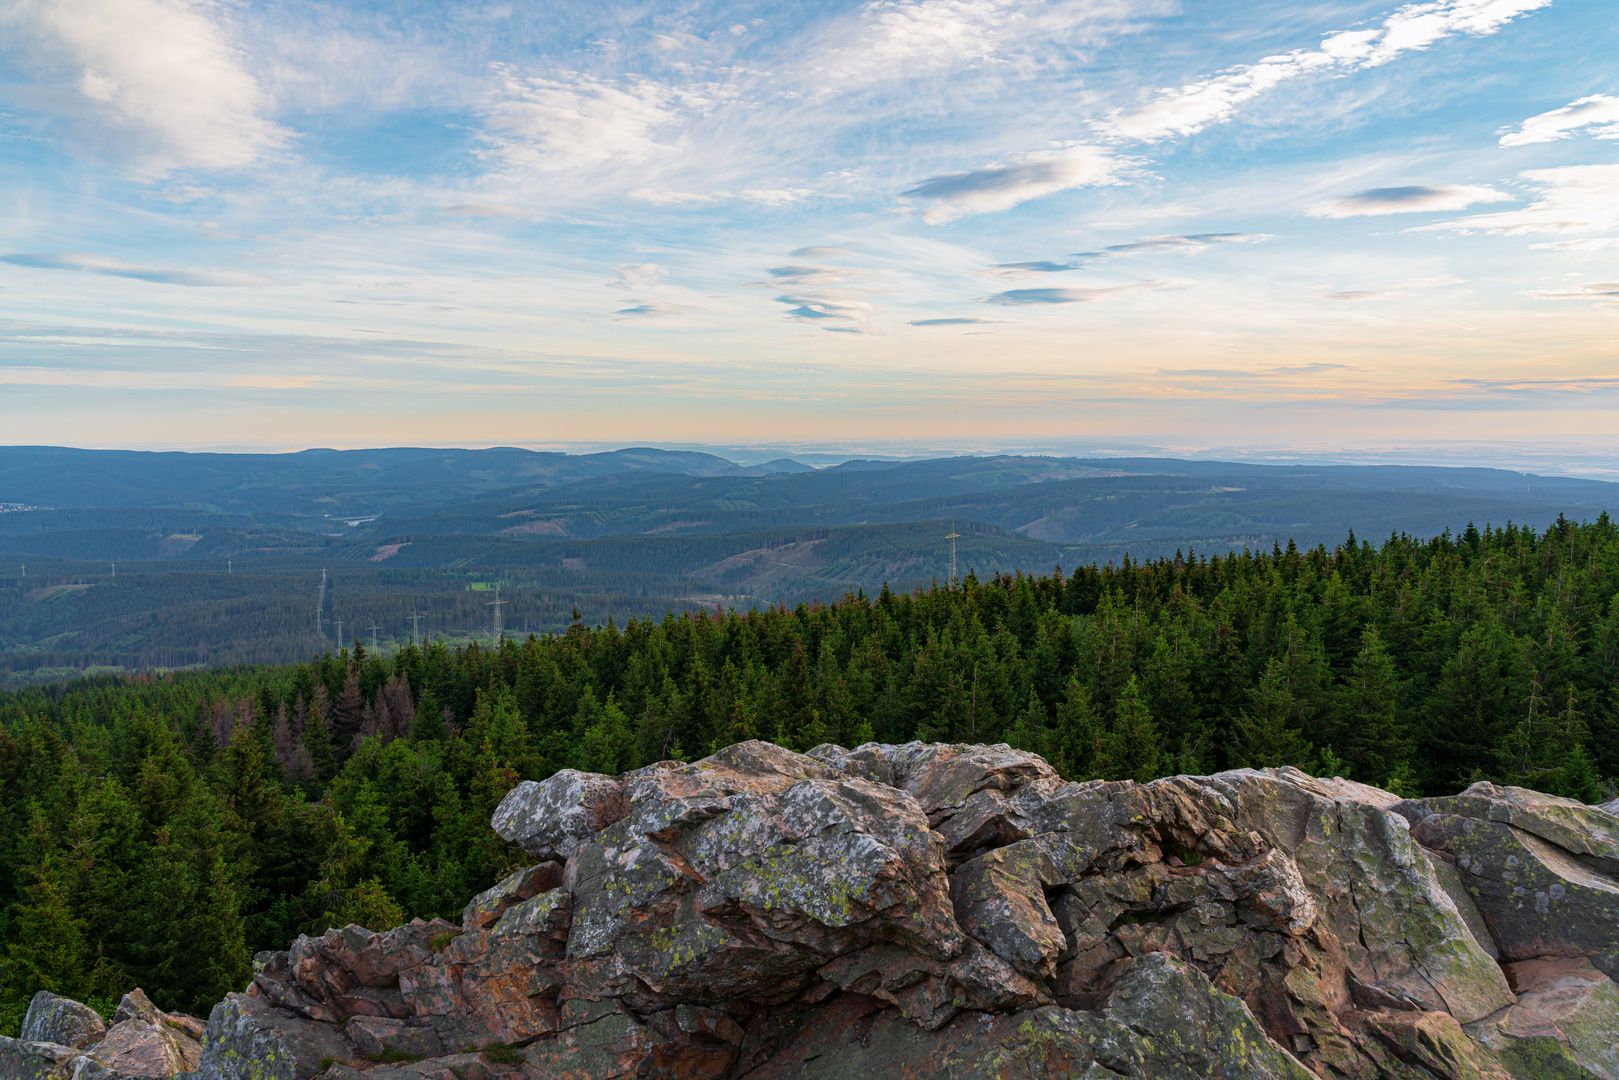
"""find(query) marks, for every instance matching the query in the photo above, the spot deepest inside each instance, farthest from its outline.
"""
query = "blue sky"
(1305, 226)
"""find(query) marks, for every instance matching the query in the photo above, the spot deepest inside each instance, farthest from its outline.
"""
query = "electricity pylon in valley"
(953, 537)
(499, 623)
(320, 603)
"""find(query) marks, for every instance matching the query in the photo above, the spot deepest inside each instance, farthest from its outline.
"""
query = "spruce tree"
(1368, 706)
(1264, 735)
(1078, 734)
(49, 950)
(1131, 750)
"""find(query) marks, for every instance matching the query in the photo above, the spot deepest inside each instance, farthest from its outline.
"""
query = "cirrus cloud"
(1188, 109)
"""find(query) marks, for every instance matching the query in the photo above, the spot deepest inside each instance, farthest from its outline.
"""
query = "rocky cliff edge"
(948, 911)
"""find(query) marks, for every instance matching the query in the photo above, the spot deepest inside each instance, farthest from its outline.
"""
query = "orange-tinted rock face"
(959, 911)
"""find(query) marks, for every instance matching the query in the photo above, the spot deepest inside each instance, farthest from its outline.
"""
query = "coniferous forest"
(158, 829)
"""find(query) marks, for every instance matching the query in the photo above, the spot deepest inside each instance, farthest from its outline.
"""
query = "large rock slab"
(24, 1060)
(487, 907)
(1162, 1021)
(62, 1021)
(930, 992)
(551, 818)
(248, 1039)
(1589, 833)
(1537, 898)
(1436, 1043)
(1566, 1016)
(744, 893)
(136, 1047)
(1000, 900)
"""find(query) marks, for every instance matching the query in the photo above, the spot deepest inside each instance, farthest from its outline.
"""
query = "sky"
(1268, 227)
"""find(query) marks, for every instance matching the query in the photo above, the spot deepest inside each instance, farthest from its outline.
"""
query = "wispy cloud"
(153, 84)
(911, 39)
(1146, 245)
(1411, 199)
(1594, 243)
(106, 264)
(1189, 109)
(650, 309)
(1574, 198)
(489, 210)
(1437, 281)
(1188, 245)
(1016, 271)
(829, 309)
(1596, 290)
(637, 275)
(1599, 113)
(815, 276)
(1001, 187)
(576, 121)
(1019, 297)
(818, 252)
(953, 322)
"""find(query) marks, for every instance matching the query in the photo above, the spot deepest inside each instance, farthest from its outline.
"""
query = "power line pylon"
(373, 628)
(953, 537)
(416, 618)
(320, 605)
(500, 624)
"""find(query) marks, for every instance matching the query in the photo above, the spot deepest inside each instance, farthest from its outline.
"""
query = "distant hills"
(629, 532)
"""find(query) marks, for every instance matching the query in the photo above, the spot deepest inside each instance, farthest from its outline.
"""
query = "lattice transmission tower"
(499, 621)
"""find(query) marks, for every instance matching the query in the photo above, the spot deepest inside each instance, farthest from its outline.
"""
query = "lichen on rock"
(935, 910)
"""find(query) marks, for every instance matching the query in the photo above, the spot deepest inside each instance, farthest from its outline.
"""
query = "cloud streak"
(1411, 199)
(1190, 244)
(112, 267)
(998, 187)
(1084, 295)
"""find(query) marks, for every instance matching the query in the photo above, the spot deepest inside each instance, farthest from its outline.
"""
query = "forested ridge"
(159, 829)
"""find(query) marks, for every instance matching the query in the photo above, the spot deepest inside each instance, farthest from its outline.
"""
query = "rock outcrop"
(925, 911)
(64, 1040)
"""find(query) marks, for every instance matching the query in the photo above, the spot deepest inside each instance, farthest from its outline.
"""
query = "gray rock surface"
(550, 819)
(931, 910)
(248, 1039)
(26, 1060)
(60, 1020)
